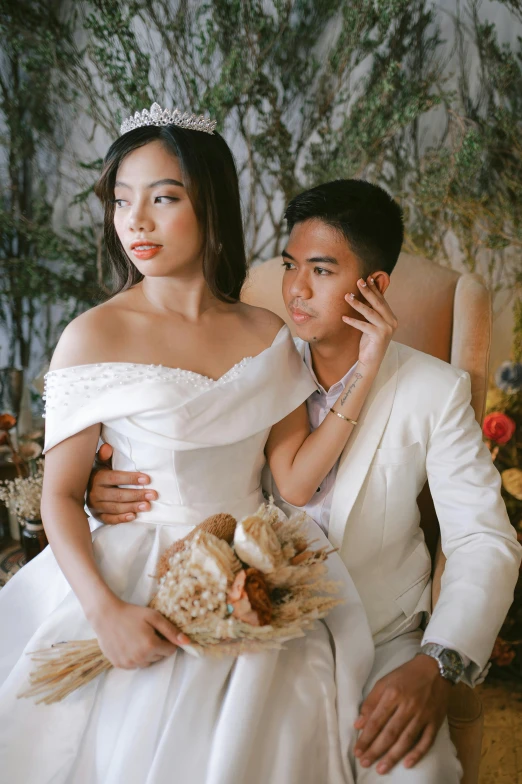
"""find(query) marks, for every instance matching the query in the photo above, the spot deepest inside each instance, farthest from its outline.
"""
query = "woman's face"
(153, 215)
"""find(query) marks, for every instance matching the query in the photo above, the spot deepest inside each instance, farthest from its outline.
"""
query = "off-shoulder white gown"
(281, 717)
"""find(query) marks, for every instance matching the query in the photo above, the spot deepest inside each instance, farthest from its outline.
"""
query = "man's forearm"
(480, 544)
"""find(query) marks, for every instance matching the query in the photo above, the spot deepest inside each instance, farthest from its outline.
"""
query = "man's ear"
(382, 280)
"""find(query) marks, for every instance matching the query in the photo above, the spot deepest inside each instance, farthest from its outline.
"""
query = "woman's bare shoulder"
(264, 322)
(92, 337)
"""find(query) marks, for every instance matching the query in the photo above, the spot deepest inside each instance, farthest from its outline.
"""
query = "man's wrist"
(448, 661)
(431, 667)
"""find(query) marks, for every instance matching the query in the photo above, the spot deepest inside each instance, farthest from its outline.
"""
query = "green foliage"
(304, 91)
(39, 267)
(470, 180)
(309, 91)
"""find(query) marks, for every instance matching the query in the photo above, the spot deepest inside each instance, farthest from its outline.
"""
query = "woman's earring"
(220, 247)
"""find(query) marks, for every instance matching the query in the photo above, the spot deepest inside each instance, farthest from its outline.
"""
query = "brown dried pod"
(221, 525)
(258, 595)
(300, 557)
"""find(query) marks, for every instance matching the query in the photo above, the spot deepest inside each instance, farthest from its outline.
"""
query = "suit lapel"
(358, 454)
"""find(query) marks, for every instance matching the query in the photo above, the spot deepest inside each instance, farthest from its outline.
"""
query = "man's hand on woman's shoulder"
(111, 503)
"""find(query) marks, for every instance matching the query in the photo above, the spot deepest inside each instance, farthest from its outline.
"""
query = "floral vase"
(33, 538)
(14, 525)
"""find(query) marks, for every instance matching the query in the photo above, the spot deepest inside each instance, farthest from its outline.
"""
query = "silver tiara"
(159, 116)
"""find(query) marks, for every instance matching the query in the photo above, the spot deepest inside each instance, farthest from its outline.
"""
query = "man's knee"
(439, 765)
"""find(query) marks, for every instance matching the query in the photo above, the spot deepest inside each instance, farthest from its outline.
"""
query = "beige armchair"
(449, 316)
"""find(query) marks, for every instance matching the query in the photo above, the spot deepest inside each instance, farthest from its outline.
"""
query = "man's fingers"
(105, 453)
(120, 495)
(383, 726)
(120, 509)
(422, 747)
(386, 739)
(109, 519)
(368, 706)
(114, 478)
(407, 739)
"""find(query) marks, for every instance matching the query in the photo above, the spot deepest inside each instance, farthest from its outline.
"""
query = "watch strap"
(451, 666)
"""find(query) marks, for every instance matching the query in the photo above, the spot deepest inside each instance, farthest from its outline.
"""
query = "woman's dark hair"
(210, 179)
(365, 215)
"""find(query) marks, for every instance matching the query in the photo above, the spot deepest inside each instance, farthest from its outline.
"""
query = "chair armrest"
(471, 339)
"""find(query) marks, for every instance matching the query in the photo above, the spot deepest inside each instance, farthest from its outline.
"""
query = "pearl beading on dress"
(84, 380)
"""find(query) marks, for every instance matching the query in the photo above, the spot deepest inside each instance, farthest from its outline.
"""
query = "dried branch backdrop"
(304, 91)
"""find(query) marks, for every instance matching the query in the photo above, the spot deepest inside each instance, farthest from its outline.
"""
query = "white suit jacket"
(417, 424)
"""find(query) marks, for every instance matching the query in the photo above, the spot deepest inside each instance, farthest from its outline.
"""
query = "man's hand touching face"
(111, 503)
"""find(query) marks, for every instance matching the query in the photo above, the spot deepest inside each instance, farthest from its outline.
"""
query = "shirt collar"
(338, 386)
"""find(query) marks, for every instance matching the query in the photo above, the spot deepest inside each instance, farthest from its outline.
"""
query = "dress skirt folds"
(277, 717)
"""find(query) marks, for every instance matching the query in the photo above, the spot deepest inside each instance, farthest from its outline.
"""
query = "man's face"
(320, 270)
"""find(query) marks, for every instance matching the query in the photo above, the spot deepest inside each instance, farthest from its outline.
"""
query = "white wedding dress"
(279, 717)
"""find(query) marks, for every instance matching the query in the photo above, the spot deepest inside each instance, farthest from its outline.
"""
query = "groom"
(416, 425)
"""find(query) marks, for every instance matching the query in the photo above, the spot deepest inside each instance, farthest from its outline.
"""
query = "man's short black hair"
(365, 214)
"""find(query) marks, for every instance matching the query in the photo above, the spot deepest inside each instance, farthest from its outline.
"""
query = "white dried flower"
(24, 493)
(214, 556)
(257, 544)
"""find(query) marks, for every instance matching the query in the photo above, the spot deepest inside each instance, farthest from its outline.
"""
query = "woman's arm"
(127, 633)
(67, 470)
(300, 460)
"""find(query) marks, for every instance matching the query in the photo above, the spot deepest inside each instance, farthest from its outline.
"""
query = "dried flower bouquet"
(231, 587)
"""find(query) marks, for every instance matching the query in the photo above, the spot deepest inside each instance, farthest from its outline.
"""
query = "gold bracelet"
(342, 416)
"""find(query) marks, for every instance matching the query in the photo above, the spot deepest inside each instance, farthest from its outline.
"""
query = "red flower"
(7, 422)
(498, 427)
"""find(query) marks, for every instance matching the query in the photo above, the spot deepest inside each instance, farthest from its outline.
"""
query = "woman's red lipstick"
(145, 250)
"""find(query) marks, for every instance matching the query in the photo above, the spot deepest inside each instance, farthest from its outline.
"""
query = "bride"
(196, 389)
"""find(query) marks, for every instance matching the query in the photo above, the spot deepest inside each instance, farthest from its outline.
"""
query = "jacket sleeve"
(477, 538)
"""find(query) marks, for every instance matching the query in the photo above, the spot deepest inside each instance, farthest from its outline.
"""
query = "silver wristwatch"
(450, 662)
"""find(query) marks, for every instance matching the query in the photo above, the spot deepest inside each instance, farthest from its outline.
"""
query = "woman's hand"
(129, 635)
(377, 325)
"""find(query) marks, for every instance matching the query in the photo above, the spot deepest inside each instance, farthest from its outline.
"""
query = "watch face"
(452, 661)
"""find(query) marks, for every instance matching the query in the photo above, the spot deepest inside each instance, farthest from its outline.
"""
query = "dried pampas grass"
(210, 593)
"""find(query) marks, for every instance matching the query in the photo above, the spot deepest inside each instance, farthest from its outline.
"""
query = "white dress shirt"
(318, 508)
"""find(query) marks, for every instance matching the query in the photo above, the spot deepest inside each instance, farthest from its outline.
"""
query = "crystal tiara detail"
(159, 116)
